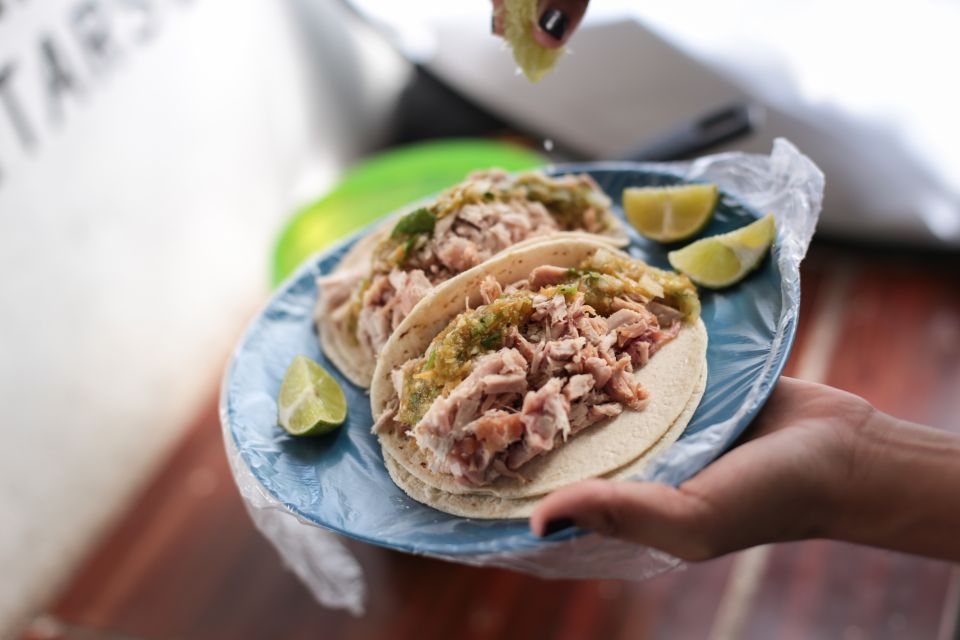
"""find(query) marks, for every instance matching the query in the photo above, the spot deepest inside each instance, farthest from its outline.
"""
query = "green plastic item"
(384, 183)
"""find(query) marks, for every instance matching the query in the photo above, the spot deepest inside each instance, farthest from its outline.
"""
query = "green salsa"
(634, 277)
(567, 199)
(600, 279)
(409, 233)
(451, 354)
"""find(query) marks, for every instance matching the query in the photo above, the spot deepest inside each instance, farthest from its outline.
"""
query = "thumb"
(670, 519)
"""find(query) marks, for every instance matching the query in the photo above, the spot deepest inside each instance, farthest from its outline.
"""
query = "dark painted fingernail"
(554, 22)
(557, 524)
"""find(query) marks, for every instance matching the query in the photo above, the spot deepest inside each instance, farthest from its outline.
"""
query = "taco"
(550, 363)
(383, 277)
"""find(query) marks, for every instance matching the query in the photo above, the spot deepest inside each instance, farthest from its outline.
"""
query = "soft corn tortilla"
(486, 507)
(673, 378)
(340, 344)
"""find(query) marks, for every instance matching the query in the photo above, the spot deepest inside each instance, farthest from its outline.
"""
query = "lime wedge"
(722, 260)
(519, 19)
(668, 214)
(311, 402)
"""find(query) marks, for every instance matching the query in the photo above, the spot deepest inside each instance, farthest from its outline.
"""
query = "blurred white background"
(862, 87)
(149, 153)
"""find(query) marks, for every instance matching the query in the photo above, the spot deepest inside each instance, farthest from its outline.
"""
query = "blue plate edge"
(527, 541)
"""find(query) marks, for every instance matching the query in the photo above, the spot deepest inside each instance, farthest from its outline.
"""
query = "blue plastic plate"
(339, 482)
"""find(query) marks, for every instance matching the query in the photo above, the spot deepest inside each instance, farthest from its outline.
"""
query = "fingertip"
(547, 41)
(565, 504)
(540, 515)
(552, 29)
(557, 22)
(556, 525)
(496, 18)
(641, 512)
(538, 524)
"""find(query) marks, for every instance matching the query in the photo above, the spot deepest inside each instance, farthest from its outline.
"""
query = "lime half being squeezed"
(519, 20)
(311, 402)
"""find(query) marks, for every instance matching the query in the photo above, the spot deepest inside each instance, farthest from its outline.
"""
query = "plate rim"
(769, 377)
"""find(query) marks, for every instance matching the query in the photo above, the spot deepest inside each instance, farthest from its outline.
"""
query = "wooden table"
(186, 562)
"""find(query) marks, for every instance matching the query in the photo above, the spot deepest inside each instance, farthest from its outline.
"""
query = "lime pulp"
(310, 400)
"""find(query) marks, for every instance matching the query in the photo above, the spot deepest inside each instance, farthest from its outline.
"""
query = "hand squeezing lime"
(310, 402)
(520, 18)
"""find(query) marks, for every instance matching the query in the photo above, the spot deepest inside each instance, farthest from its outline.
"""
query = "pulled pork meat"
(564, 369)
(468, 224)
(459, 242)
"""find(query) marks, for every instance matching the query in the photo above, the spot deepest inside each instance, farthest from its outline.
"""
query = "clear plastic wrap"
(756, 322)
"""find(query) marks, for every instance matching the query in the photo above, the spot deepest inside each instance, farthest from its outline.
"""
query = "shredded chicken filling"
(551, 356)
(468, 224)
